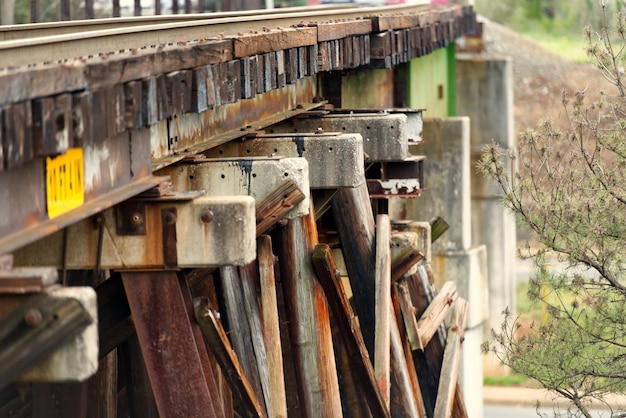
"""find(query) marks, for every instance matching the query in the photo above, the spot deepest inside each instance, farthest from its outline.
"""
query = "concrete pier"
(485, 94)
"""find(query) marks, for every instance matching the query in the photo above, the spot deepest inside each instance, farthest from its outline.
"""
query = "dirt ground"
(540, 77)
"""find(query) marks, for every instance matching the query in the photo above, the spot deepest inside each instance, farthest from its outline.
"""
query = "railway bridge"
(208, 215)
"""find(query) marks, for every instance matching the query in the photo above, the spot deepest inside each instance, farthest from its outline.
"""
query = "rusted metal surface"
(196, 132)
(22, 201)
(168, 344)
(188, 239)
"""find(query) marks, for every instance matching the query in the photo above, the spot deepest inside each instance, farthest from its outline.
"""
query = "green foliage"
(571, 192)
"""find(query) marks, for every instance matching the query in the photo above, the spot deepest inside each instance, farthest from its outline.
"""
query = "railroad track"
(25, 47)
(38, 30)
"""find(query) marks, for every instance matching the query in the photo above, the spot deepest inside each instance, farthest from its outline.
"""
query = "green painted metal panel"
(432, 84)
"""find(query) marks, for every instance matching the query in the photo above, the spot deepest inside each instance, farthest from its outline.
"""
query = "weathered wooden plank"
(309, 322)
(132, 105)
(327, 31)
(312, 54)
(260, 74)
(403, 262)
(410, 368)
(149, 101)
(232, 81)
(246, 78)
(144, 63)
(199, 90)
(17, 85)
(436, 312)
(102, 389)
(44, 127)
(239, 327)
(291, 65)
(249, 279)
(276, 205)
(429, 361)
(226, 357)
(323, 59)
(357, 244)
(403, 400)
(277, 405)
(246, 45)
(451, 360)
(382, 309)
(408, 315)
(326, 270)
(17, 134)
(281, 79)
(211, 91)
(110, 111)
(141, 400)
(59, 400)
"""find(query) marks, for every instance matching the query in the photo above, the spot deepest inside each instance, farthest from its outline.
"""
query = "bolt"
(32, 317)
(136, 218)
(169, 218)
(206, 217)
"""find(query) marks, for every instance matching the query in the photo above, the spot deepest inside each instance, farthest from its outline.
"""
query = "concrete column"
(485, 94)
(447, 175)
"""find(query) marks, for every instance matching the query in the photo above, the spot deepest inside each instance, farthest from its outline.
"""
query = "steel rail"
(37, 30)
(24, 52)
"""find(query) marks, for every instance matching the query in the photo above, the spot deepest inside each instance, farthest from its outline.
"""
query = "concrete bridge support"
(454, 256)
(485, 94)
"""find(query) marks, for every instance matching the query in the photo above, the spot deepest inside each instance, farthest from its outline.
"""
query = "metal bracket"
(130, 217)
(168, 231)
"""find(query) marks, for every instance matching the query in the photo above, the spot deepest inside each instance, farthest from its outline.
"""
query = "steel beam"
(335, 160)
(167, 344)
(252, 176)
(201, 232)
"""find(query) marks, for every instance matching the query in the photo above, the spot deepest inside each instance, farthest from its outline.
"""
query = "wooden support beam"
(383, 305)
(404, 401)
(168, 344)
(451, 360)
(357, 245)
(140, 398)
(249, 282)
(436, 313)
(309, 323)
(326, 270)
(102, 389)
(35, 329)
(277, 405)
(429, 361)
(276, 205)
(238, 327)
(403, 262)
(226, 357)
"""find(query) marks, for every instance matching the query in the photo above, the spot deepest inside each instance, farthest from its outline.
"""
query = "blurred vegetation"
(556, 25)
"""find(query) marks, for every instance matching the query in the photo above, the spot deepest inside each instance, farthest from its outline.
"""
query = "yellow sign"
(65, 182)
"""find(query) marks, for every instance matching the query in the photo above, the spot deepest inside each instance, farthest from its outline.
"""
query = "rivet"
(206, 217)
(33, 317)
